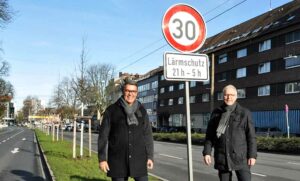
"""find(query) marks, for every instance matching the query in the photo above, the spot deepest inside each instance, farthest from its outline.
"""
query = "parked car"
(268, 131)
(68, 127)
(163, 129)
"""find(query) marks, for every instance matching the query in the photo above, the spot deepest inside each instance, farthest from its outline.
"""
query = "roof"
(151, 73)
(280, 17)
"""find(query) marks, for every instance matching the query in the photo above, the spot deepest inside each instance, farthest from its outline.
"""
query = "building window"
(162, 90)
(193, 84)
(192, 99)
(241, 53)
(181, 86)
(220, 96)
(264, 90)
(180, 100)
(171, 88)
(144, 87)
(154, 84)
(170, 102)
(264, 68)
(266, 45)
(241, 93)
(292, 37)
(293, 87)
(222, 58)
(161, 103)
(222, 77)
(162, 77)
(205, 97)
(242, 72)
(292, 61)
(206, 82)
(176, 120)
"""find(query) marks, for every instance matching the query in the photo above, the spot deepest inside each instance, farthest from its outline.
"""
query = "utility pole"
(212, 82)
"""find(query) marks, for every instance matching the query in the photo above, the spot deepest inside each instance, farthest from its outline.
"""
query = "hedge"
(267, 144)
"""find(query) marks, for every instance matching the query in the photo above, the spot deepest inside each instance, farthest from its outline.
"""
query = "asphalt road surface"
(19, 156)
(171, 163)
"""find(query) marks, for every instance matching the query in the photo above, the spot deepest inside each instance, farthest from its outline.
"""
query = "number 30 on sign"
(184, 28)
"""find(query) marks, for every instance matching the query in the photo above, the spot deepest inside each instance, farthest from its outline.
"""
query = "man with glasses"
(125, 143)
(231, 132)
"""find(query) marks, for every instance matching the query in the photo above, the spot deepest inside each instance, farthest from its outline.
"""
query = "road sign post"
(184, 29)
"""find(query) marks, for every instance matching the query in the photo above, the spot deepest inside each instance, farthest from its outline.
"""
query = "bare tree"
(31, 105)
(5, 17)
(79, 81)
(6, 88)
(64, 94)
(4, 68)
(99, 77)
(5, 12)
(64, 99)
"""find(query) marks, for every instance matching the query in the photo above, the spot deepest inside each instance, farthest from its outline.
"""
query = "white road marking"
(24, 139)
(4, 141)
(170, 156)
(160, 178)
(16, 150)
(258, 174)
(295, 163)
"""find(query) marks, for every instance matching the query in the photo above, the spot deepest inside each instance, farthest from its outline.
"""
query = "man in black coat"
(231, 132)
(125, 143)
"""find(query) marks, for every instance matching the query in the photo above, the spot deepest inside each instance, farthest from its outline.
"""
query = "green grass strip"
(60, 158)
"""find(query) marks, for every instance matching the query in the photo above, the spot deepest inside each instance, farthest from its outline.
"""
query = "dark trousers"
(242, 175)
(144, 178)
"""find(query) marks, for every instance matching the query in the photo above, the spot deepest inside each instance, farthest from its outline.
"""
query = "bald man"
(231, 132)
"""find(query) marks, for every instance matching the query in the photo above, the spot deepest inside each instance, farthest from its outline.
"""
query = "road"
(19, 156)
(171, 163)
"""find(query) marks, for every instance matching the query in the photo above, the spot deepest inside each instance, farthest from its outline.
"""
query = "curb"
(46, 167)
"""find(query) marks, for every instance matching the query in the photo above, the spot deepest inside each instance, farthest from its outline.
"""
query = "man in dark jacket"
(125, 143)
(231, 132)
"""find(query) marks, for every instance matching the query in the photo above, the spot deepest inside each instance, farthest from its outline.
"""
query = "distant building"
(148, 93)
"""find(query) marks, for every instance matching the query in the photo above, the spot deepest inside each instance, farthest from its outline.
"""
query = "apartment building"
(148, 93)
(261, 57)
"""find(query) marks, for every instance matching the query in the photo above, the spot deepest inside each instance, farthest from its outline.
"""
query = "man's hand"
(150, 164)
(251, 161)
(104, 166)
(207, 159)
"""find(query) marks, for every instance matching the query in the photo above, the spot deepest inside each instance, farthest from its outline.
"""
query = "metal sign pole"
(188, 130)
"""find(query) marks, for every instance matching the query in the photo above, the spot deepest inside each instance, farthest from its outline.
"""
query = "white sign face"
(184, 67)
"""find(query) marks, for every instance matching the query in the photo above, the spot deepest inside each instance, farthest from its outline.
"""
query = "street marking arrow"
(16, 150)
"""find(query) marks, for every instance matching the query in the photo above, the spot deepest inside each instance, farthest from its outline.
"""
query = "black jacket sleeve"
(251, 138)
(148, 138)
(210, 135)
(103, 137)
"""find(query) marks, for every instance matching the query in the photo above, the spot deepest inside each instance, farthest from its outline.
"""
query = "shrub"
(269, 144)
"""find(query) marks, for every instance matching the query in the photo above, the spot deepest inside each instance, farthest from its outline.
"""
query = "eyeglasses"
(229, 95)
(130, 91)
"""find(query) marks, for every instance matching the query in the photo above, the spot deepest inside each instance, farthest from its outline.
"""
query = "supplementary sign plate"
(186, 67)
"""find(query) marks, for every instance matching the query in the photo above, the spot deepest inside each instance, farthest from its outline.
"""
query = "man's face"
(230, 96)
(130, 93)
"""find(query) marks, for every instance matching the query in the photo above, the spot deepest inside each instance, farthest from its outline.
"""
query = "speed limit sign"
(184, 28)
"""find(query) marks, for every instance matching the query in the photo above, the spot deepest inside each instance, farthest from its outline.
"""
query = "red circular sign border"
(188, 9)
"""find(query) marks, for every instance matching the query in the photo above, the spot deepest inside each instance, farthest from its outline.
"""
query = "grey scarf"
(130, 110)
(224, 121)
